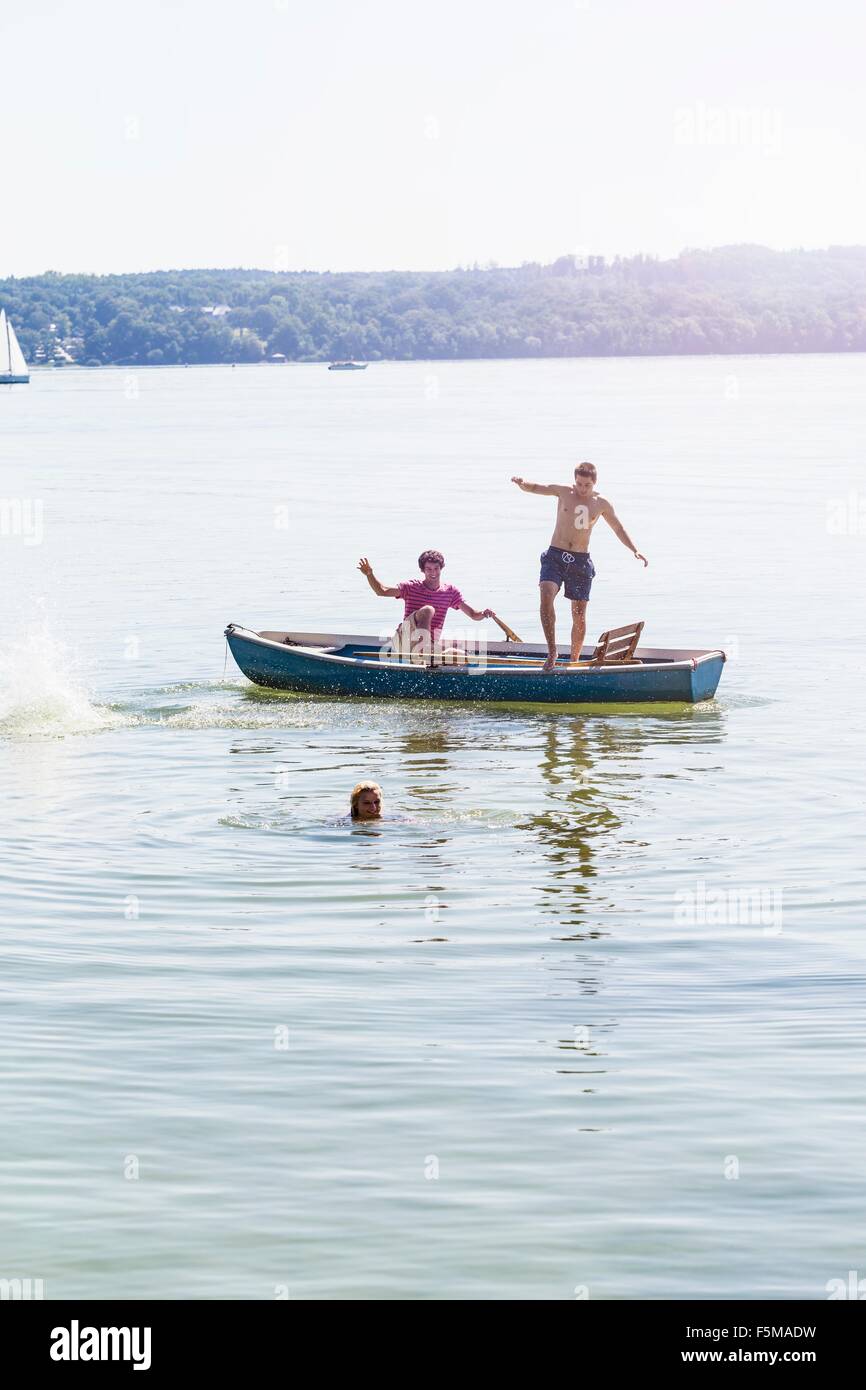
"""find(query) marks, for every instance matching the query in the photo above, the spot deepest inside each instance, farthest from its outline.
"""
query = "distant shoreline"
(736, 300)
(46, 369)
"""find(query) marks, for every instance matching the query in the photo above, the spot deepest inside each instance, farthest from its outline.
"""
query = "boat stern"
(706, 674)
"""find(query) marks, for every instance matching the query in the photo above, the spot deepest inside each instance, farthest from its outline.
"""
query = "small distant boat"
(326, 663)
(13, 368)
(348, 366)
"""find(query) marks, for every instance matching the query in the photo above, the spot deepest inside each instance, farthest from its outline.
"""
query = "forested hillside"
(734, 299)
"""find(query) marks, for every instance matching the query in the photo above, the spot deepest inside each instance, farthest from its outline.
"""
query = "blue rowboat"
(324, 663)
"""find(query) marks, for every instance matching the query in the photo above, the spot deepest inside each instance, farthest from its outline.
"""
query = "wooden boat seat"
(616, 647)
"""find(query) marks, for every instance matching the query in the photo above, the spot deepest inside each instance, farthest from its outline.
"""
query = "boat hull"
(308, 669)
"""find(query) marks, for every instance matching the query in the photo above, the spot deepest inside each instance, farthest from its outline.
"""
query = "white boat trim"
(315, 646)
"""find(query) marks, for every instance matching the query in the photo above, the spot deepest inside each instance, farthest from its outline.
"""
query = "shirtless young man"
(567, 560)
(426, 603)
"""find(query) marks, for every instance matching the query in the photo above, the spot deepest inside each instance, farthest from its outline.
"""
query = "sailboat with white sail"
(13, 368)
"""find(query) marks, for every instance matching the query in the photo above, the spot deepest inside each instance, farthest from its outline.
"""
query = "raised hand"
(518, 481)
(364, 566)
(638, 556)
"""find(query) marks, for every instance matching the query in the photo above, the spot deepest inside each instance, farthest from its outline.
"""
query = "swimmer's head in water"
(366, 801)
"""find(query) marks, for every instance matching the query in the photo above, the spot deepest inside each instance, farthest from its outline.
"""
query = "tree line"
(731, 299)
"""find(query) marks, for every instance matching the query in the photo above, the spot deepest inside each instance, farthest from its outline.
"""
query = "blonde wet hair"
(358, 791)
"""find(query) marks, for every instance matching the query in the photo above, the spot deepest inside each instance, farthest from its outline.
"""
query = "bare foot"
(549, 664)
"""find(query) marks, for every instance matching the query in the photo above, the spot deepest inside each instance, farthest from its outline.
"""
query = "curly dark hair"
(435, 556)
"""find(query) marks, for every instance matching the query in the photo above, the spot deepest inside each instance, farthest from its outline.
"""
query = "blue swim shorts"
(573, 568)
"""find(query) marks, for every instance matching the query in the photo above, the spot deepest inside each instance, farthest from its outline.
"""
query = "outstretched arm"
(546, 489)
(477, 615)
(474, 613)
(619, 530)
(383, 590)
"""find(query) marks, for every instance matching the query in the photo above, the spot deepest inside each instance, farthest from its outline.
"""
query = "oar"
(510, 634)
(562, 662)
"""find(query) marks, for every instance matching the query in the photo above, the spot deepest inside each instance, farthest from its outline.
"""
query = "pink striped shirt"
(415, 594)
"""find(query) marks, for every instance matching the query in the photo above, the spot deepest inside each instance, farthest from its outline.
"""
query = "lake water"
(589, 1013)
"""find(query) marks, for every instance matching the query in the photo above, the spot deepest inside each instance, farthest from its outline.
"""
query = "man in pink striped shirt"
(425, 605)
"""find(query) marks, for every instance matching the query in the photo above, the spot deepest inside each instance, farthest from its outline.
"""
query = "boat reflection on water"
(428, 755)
(578, 815)
(595, 786)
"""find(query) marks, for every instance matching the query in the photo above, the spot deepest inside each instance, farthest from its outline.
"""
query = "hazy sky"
(371, 134)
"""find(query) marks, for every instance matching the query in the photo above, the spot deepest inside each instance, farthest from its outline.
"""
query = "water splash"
(42, 692)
